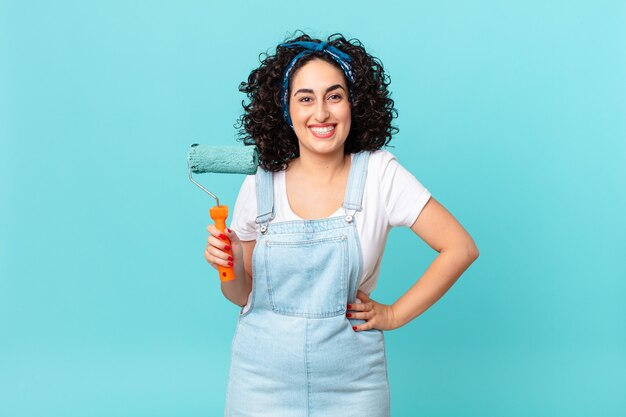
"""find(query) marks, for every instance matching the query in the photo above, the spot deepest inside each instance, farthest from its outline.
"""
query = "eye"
(305, 99)
(334, 97)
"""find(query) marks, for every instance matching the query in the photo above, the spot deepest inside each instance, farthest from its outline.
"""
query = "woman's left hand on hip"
(376, 315)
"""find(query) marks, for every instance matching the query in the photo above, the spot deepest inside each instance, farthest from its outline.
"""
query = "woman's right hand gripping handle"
(215, 254)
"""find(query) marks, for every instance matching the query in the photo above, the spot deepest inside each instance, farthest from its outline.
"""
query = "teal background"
(513, 114)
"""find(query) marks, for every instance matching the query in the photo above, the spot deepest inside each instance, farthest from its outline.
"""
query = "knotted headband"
(339, 57)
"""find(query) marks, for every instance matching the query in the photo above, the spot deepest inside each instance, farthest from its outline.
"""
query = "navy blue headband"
(340, 58)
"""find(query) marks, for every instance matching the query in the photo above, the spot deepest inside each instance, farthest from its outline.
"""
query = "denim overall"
(294, 353)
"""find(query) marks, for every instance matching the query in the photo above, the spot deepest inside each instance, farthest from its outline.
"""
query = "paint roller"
(226, 160)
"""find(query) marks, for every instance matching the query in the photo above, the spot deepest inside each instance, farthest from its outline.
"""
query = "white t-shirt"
(392, 197)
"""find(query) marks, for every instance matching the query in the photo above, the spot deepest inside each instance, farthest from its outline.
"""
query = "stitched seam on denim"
(264, 196)
(354, 195)
(299, 229)
(253, 298)
(359, 186)
(359, 255)
(324, 222)
(386, 369)
(306, 364)
(326, 315)
(308, 242)
(268, 285)
(345, 277)
(351, 179)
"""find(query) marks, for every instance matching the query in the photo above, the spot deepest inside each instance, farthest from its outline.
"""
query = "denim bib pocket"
(298, 274)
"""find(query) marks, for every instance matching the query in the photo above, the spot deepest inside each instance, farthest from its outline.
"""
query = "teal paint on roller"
(223, 159)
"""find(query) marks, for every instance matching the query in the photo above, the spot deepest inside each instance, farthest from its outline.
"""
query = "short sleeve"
(244, 214)
(403, 194)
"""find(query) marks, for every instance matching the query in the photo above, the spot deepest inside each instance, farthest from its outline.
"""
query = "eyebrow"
(308, 90)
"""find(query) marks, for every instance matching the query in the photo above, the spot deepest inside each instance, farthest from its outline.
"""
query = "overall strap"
(264, 197)
(356, 183)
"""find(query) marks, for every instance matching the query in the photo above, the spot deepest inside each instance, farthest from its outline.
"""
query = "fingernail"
(226, 247)
(230, 258)
(222, 236)
(354, 328)
(349, 315)
(349, 306)
(230, 264)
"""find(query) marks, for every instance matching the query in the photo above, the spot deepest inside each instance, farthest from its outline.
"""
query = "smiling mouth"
(322, 131)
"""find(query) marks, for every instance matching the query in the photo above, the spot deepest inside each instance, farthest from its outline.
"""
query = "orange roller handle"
(219, 215)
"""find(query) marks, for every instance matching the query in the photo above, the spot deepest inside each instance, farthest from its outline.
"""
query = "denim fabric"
(294, 353)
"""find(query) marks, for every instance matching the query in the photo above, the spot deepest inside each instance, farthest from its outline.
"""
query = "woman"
(309, 231)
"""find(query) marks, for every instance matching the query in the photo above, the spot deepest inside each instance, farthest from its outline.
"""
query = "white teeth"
(322, 130)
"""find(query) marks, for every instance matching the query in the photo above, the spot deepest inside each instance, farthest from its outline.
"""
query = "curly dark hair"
(263, 125)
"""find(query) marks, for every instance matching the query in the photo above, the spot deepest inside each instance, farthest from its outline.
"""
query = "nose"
(321, 111)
